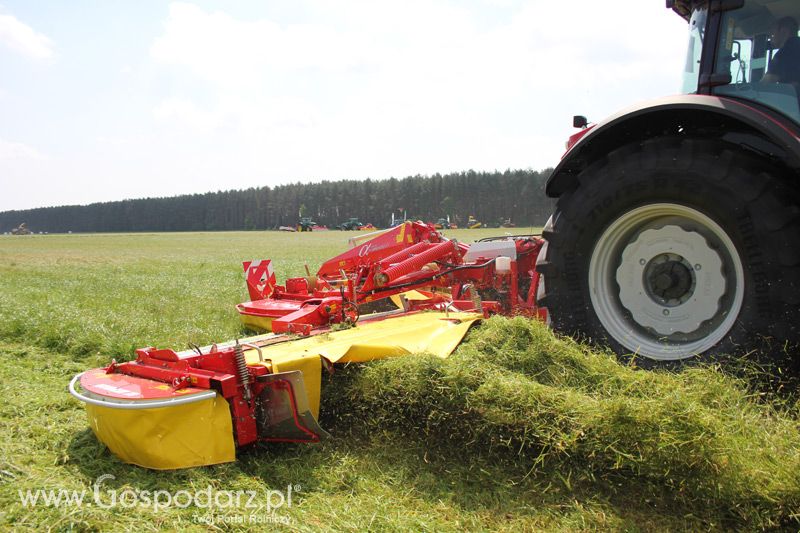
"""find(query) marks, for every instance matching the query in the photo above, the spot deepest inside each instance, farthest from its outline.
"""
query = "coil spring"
(407, 266)
(241, 367)
(402, 255)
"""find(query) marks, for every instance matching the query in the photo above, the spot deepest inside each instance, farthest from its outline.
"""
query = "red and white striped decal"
(261, 278)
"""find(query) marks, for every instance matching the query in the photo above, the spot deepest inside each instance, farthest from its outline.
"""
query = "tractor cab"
(746, 50)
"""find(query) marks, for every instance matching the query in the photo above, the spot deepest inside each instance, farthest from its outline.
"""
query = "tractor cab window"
(759, 48)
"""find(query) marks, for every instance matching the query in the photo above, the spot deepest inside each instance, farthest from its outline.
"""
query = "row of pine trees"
(491, 197)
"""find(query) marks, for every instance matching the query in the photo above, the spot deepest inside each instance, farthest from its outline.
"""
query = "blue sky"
(110, 100)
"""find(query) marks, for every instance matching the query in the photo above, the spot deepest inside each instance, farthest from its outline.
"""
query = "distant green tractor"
(351, 225)
(444, 223)
(306, 224)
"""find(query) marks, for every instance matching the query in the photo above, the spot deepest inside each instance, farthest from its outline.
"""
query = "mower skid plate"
(284, 414)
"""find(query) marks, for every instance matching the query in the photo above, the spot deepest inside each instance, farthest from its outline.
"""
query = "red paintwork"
(575, 137)
(764, 116)
(165, 374)
(260, 278)
(378, 248)
(412, 255)
(125, 387)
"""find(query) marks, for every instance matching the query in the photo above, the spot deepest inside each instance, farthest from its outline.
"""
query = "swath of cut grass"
(516, 392)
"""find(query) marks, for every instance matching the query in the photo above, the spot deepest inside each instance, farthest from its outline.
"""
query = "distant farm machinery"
(22, 229)
(354, 224)
(307, 224)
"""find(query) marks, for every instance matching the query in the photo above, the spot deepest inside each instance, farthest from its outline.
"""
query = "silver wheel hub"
(666, 281)
(670, 280)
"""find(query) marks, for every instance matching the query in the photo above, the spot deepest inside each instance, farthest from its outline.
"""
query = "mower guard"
(157, 433)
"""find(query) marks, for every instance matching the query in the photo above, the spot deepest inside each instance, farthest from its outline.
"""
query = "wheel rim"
(666, 281)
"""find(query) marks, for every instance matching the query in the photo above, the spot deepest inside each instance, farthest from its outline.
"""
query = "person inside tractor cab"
(785, 64)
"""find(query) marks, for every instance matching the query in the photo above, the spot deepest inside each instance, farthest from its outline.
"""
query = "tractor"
(352, 224)
(676, 231)
(306, 224)
(444, 223)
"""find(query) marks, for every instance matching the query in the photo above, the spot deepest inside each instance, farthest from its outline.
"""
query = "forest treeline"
(517, 195)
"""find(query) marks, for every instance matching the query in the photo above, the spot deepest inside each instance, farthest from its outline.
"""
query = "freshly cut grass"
(549, 406)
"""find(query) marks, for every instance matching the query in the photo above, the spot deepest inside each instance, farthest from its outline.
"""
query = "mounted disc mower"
(395, 292)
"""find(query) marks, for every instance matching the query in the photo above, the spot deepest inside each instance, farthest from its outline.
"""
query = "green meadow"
(519, 430)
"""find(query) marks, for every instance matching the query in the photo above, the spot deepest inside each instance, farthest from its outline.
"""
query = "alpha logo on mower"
(209, 499)
(364, 250)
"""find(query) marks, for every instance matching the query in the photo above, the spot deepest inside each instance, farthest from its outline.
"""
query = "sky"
(109, 100)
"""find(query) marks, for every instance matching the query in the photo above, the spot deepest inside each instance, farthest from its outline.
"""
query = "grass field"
(517, 431)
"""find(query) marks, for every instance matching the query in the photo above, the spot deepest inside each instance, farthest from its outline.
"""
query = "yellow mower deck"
(430, 332)
(196, 434)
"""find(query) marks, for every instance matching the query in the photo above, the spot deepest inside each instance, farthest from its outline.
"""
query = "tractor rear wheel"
(675, 247)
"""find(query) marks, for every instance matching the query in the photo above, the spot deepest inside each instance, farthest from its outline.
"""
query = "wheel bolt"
(666, 312)
(697, 266)
(642, 261)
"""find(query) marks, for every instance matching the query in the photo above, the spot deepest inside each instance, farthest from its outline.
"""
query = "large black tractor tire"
(676, 247)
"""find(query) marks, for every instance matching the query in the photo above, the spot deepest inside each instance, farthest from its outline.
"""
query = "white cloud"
(186, 112)
(315, 89)
(16, 150)
(235, 53)
(24, 39)
(371, 88)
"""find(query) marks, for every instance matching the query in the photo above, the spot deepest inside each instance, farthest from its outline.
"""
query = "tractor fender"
(764, 131)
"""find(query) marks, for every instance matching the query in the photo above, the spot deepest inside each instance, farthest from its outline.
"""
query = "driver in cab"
(785, 64)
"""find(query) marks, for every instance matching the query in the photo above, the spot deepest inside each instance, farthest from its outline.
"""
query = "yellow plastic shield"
(164, 438)
(430, 332)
